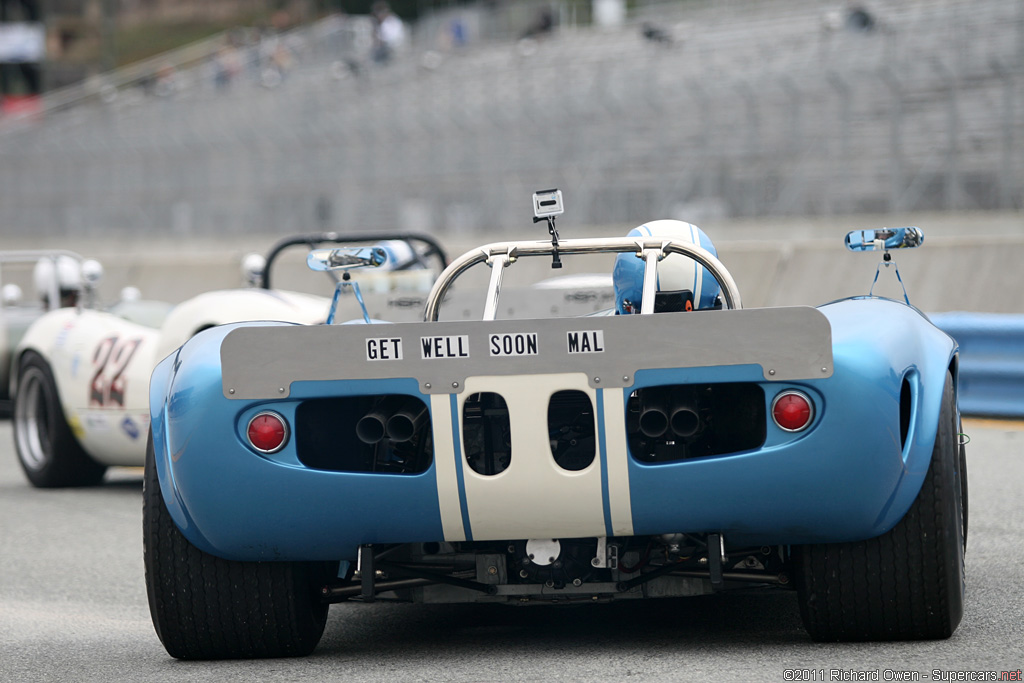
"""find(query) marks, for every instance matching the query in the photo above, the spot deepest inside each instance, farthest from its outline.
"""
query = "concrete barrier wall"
(946, 274)
(969, 262)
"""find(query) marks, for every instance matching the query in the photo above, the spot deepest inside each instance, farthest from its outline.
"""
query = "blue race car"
(676, 446)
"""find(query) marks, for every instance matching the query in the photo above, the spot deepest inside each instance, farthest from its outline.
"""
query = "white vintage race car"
(79, 376)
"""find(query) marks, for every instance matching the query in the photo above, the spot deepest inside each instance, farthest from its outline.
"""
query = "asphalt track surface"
(73, 608)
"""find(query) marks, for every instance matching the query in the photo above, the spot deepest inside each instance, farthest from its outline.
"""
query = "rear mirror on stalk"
(884, 239)
(346, 257)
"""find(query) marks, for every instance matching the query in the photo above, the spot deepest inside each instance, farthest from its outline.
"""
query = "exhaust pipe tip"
(395, 417)
(403, 425)
(685, 422)
(371, 428)
(653, 423)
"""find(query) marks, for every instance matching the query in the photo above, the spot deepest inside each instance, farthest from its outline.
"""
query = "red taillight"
(792, 411)
(267, 432)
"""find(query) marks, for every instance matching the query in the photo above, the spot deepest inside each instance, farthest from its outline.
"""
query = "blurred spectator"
(859, 18)
(165, 83)
(281, 20)
(656, 34)
(452, 35)
(456, 33)
(226, 65)
(543, 24)
(275, 60)
(389, 32)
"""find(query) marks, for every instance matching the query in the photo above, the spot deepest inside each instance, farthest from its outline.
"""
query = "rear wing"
(790, 343)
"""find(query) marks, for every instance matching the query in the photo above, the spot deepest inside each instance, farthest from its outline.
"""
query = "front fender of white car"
(225, 306)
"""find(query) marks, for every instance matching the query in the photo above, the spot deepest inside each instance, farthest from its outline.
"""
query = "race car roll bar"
(499, 255)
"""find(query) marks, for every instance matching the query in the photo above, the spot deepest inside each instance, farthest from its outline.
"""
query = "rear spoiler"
(790, 343)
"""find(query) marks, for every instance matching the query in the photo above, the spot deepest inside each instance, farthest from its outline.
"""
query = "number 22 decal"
(109, 361)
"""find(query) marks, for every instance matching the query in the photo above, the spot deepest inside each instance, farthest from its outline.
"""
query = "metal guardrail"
(991, 361)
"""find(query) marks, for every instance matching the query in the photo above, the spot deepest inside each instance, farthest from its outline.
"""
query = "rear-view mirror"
(342, 258)
(884, 239)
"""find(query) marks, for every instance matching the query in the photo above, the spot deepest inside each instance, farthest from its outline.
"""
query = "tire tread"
(206, 607)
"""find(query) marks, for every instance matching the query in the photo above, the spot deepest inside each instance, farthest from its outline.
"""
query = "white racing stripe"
(618, 462)
(534, 497)
(444, 464)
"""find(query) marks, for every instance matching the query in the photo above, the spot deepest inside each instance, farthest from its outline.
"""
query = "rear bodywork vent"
(571, 428)
(906, 410)
(682, 421)
(388, 434)
(487, 433)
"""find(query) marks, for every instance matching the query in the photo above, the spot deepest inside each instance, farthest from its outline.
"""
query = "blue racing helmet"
(683, 284)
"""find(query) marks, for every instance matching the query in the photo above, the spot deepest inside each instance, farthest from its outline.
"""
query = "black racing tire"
(205, 607)
(48, 451)
(907, 584)
(963, 484)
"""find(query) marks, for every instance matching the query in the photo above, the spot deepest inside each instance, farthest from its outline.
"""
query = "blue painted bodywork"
(847, 477)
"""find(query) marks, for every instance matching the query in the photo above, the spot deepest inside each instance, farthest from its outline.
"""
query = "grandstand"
(751, 109)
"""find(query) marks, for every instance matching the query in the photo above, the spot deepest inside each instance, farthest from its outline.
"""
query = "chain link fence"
(695, 111)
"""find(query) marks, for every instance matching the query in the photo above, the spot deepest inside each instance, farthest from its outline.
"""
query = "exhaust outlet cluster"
(396, 417)
(664, 412)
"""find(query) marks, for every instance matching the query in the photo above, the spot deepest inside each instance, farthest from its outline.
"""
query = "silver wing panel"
(788, 343)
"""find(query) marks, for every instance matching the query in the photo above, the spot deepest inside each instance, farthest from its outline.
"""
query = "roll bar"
(499, 255)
